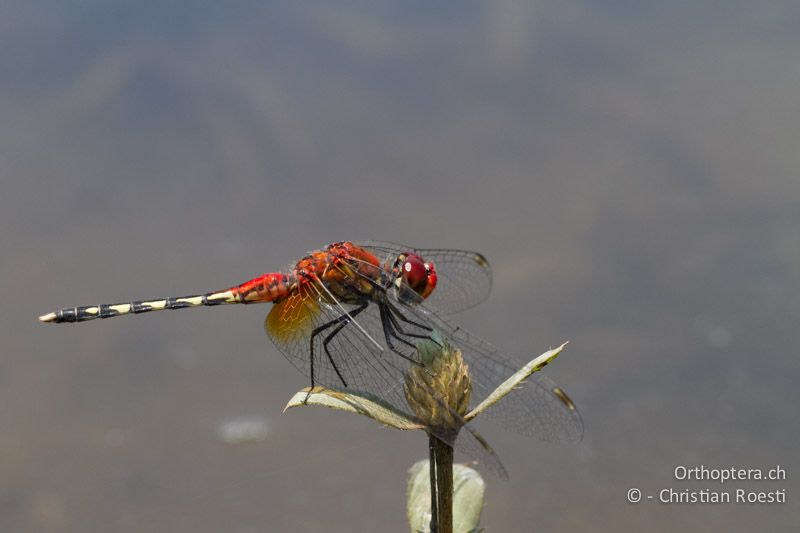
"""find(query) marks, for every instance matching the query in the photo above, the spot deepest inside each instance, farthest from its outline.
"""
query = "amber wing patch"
(293, 317)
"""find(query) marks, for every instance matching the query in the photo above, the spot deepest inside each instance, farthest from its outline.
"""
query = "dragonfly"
(349, 315)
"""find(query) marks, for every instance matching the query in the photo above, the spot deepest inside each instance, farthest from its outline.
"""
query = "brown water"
(631, 171)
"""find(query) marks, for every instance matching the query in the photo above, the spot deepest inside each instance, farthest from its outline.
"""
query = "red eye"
(414, 273)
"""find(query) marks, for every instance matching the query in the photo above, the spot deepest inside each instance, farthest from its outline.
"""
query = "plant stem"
(434, 492)
(442, 471)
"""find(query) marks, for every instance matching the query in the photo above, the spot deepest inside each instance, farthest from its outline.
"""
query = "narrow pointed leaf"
(514, 381)
(359, 404)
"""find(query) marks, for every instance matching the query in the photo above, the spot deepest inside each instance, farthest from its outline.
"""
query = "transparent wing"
(539, 408)
(351, 352)
(301, 328)
(465, 278)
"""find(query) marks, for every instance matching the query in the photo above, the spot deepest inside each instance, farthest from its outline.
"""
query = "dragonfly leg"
(391, 314)
(335, 332)
(402, 317)
(342, 321)
(395, 313)
(390, 329)
(325, 342)
(389, 334)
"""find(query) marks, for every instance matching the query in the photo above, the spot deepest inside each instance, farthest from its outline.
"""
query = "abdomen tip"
(49, 317)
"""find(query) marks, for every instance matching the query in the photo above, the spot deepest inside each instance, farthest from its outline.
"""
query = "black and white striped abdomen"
(91, 312)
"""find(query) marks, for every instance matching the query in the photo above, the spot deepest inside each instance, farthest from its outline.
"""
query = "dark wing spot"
(481, 261)
(564, 398)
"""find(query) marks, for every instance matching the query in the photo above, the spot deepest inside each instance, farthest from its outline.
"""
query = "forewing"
(392, 367)
(539, 408)
(464, 277)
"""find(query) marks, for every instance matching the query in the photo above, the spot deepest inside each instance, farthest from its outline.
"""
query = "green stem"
(432, 467)
(442, 471)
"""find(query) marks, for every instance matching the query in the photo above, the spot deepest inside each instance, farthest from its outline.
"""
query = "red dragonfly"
(348, 316)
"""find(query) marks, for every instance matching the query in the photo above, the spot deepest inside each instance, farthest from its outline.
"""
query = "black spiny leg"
(325, 342)
(333, 334)
(391, 314)
(342, 320)
(389, 334)
(394, 312)
(402, 317)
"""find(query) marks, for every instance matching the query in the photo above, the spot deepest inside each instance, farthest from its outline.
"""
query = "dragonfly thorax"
(342, 272)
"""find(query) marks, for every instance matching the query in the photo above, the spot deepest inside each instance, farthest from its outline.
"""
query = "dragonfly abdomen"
(267, 288)
(90, 312)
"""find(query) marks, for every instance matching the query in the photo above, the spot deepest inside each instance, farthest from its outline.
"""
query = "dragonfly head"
(415, 273)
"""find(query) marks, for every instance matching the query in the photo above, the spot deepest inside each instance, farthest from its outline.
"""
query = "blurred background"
(630, 169)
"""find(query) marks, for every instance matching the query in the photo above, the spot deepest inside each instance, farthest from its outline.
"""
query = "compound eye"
(414, 273)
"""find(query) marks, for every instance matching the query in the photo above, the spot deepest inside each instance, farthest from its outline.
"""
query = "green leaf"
(468, 490)
(511, 383)
(360, 404)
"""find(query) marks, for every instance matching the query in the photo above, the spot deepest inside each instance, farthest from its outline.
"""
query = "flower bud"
(438, 392)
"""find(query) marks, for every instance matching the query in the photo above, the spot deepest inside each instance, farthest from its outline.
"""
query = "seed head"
(439, 392)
